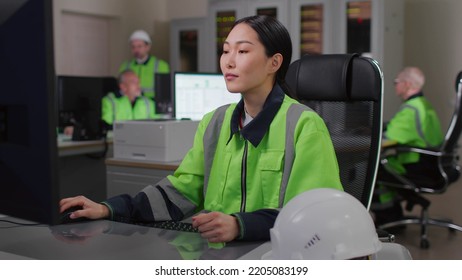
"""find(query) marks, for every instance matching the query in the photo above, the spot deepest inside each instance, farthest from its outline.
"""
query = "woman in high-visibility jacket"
(128, 103)
(415, 124)
(248, 159)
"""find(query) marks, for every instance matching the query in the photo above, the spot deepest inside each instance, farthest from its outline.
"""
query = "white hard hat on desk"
(323, 224)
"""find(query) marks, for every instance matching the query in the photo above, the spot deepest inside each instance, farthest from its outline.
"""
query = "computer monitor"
(79, 104)
(196, 94)
(28, 149)
(164, 93)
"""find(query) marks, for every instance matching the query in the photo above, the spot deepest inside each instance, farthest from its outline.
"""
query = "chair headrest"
(335, 77)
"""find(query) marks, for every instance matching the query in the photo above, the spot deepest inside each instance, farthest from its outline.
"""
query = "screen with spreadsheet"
(199, 93)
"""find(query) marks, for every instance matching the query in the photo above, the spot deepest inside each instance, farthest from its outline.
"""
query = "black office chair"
(346, 91)
(440, 168)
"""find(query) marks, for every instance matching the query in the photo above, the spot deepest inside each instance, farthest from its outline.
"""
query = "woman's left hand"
(216, 226)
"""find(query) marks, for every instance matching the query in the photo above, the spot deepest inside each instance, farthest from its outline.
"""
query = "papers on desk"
(63, 137)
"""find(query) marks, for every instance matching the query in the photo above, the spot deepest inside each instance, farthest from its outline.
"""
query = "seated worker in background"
(128, 103)
(248, 159)
(415, 124)
(144, 64)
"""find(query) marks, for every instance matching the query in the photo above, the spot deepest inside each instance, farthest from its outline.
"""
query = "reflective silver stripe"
(293, 115)
(111, 98)
(158, 206)
(157, 203)
(244, 177)
(148, 109)
(155, 70)
(210, 141)
(156, 66)
(418, 123)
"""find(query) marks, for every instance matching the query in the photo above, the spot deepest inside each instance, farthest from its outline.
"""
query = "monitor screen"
(79, 104)
(196, 94)
(28, 148)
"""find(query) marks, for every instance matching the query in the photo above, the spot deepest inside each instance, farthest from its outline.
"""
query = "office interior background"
(91, 37)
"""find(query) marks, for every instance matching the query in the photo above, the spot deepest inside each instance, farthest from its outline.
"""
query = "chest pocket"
(270, 168)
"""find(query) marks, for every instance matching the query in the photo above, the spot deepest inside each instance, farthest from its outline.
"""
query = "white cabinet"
(125, 176)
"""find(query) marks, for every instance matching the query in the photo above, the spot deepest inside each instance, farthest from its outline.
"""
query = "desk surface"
(67, 147)
(109, 240)
(172, 165)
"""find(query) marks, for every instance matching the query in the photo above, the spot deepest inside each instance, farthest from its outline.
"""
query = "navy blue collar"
(419, 94)
(144, 63)
(257, 128)
(118, 94)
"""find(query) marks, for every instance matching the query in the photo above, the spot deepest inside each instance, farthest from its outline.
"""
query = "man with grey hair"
(415, 124)
(127, 103)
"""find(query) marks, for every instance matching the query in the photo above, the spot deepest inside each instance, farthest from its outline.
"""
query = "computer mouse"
(65, 218)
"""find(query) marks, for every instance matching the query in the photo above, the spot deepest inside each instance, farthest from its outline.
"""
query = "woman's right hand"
(90, 209)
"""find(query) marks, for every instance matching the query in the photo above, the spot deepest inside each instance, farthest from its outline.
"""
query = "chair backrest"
(455, 126)
(449, 161)
(346, 91)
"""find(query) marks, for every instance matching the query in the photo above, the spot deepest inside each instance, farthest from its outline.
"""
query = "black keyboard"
(172, 225)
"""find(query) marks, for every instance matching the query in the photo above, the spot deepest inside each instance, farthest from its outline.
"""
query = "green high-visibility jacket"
(415, 124)
(219, 187)
(118, 107)
(285, 150)
(146, 72)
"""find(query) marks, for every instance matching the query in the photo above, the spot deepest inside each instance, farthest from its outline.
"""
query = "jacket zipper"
(244, 178)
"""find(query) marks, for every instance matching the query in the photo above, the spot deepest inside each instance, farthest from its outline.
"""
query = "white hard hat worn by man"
(140, 35)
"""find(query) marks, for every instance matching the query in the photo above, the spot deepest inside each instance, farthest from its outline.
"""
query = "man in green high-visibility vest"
(144, 64)
(127, 103)
(415, 124)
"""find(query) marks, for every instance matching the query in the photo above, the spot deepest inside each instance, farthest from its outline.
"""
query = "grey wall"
(432, 41)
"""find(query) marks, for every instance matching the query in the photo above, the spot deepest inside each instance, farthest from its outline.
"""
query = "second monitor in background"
(79, 104)
(164, 95)
(196, 94)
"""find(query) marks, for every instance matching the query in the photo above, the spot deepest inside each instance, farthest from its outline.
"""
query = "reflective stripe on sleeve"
(111, 98)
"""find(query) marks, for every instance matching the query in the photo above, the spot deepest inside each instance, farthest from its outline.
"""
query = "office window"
(359, 27)
(311, 29)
